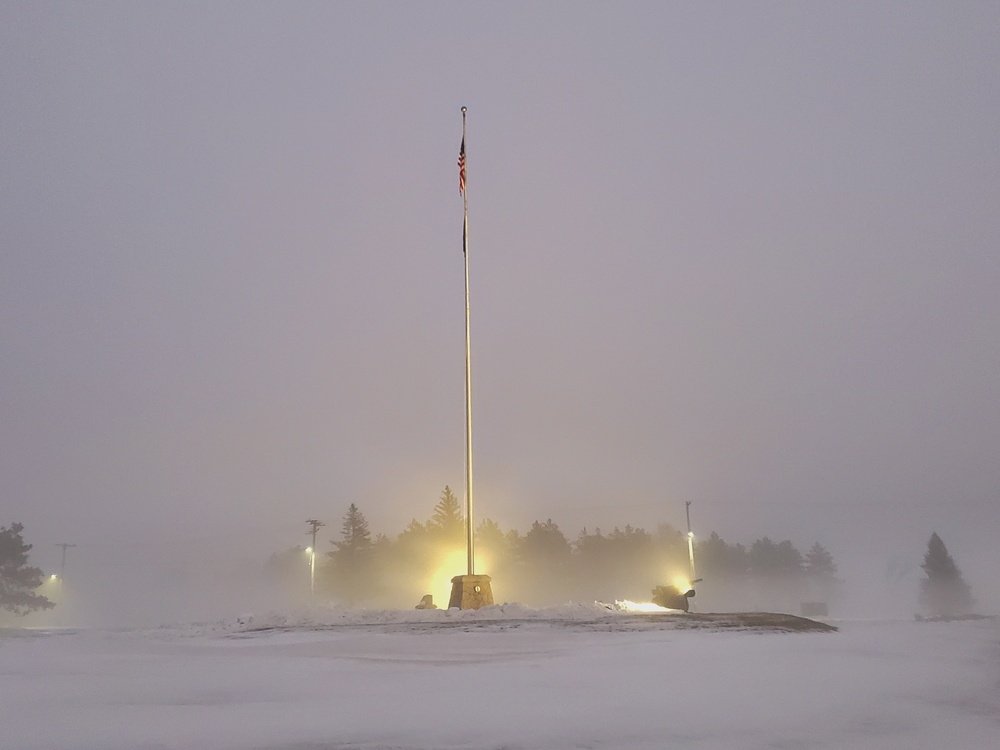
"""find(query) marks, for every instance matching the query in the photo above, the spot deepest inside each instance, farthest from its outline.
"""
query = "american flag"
(461, 168)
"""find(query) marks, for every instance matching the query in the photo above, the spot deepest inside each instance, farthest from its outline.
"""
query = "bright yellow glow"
(53, 577)
(683, 584)
(309, 550)
(454, 562)
(641, 606)
(690, 535)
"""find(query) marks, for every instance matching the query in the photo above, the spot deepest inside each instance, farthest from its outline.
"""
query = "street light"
(62, 567)
(312, 570)
(314, 526)
(687, 509)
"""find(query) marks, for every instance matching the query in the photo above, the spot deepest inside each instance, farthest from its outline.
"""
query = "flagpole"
(470, 528)
(470, 591)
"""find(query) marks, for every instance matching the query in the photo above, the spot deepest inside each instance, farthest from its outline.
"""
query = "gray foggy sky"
(738, 254)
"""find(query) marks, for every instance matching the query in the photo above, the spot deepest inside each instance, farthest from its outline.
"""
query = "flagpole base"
(471, 592)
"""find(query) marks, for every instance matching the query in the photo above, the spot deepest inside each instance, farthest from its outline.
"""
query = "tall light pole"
(62, 567)
(687, 510)
(314, 526)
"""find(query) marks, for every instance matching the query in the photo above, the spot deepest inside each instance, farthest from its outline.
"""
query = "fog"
(195, 580)
(743, 256)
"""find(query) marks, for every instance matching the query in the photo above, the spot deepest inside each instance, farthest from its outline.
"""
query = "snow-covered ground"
(502, 677)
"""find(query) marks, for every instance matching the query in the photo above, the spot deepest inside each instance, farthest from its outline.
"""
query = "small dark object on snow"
(815, 609)
(953, 618)
(671, 597)
(427, 603)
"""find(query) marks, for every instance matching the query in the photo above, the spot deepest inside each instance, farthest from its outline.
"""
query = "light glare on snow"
(628, 606)
(453, 563)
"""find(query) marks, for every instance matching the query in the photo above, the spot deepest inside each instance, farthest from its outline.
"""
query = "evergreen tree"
(714, 558)
(592, 574)
(944, 591)
(448, 521)
(491, 542)
(819, 564)
(770, 560)
(351, 567)
(356, 539)
(630, 540)
(413, 544)
(545, 544)
(672, 545)
(543, 566)
(592, 549)
(515, 543)
(18, 581)
(632, 553)
(725, 570)
(821, 574)
(415, 534)
(777, 573)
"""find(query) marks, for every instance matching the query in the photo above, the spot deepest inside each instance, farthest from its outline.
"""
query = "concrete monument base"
(471, 592)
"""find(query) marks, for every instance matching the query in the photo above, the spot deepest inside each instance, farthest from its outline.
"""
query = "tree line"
(543, 566)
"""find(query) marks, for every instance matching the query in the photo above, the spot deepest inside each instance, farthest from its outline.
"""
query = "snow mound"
(621, 616)
(326, 617)
(643, 607)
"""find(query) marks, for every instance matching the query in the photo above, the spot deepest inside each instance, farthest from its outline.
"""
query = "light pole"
(312, 570)
(314, 526)
(62, 567)
(687, 509)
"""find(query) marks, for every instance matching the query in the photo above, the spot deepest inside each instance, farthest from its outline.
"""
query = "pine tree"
(943, 592)
(770, 560)
(591, 549)
(351, 568)
(356, 539)
(715, 559)
(819, 564)
(672, 546)
(18, 581)
(545, 545)
(448, 522)
(821, 574)
(777, 572)
(490, 540)
(412, 542)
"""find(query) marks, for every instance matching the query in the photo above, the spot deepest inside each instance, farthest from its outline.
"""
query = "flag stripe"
(461, 168)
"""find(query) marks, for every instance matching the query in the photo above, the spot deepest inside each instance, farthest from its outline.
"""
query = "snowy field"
(502, 677)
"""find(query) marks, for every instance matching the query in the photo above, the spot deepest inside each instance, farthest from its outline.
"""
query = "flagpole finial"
(464, 110)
